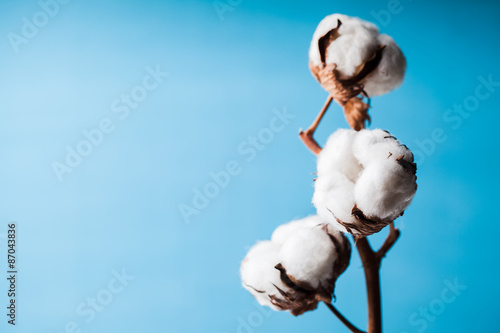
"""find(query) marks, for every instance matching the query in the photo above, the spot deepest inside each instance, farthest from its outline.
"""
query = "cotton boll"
(308, 257)
(265, 278)
(283, 232)
(258, 274)
(364, 182)
(355, 44)
(384, 190)
(390, 72)
(312, 258)
(351, 60)
(298, 268)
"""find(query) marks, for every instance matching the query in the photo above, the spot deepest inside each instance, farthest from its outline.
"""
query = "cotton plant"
(365, 180)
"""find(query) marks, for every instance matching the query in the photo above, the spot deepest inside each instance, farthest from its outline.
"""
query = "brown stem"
(389, 242)
(371, 263)
(343, 319)
(307, 136)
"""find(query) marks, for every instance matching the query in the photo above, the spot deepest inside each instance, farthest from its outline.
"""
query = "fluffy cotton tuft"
(258, 274)
(308, 256)
(365, 182)
(284, 231)
(298, 267)
(340, 155)
(389, 74)
(355, 43)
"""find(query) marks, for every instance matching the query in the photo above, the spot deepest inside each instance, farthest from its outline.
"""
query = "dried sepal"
(356, 113)
(362, 226)
(326, 40)
(297, 299)
(409, 167)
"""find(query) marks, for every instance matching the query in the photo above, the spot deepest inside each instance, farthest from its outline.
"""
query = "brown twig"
(307, 136)
(392, 237)
(371, 263)
(371, 266)
(343, 319)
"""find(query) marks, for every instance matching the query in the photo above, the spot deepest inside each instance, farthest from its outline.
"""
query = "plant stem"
(343, 319)
(307, 135)
(389, 242)
(371, 264)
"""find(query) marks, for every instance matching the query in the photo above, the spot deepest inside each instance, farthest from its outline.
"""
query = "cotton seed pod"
(298, 268)
(349, 57)
(365, 181)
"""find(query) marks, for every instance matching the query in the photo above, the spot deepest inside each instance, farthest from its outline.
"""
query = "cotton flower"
(298, 267)
(365, 180)
(349, 57)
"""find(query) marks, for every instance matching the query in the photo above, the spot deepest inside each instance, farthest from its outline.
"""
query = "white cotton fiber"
(298, 267)
(338, 169)
(383, 188)
(334, 197)
(258, 274)
(338, 155)
(390, 73)
(355, 43)
(371, 145)
(284, 231)
(309, 256)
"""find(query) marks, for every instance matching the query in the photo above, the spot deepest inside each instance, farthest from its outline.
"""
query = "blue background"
(120, 208)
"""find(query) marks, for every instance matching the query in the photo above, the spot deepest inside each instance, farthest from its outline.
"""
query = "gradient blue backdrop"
(228, 71)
